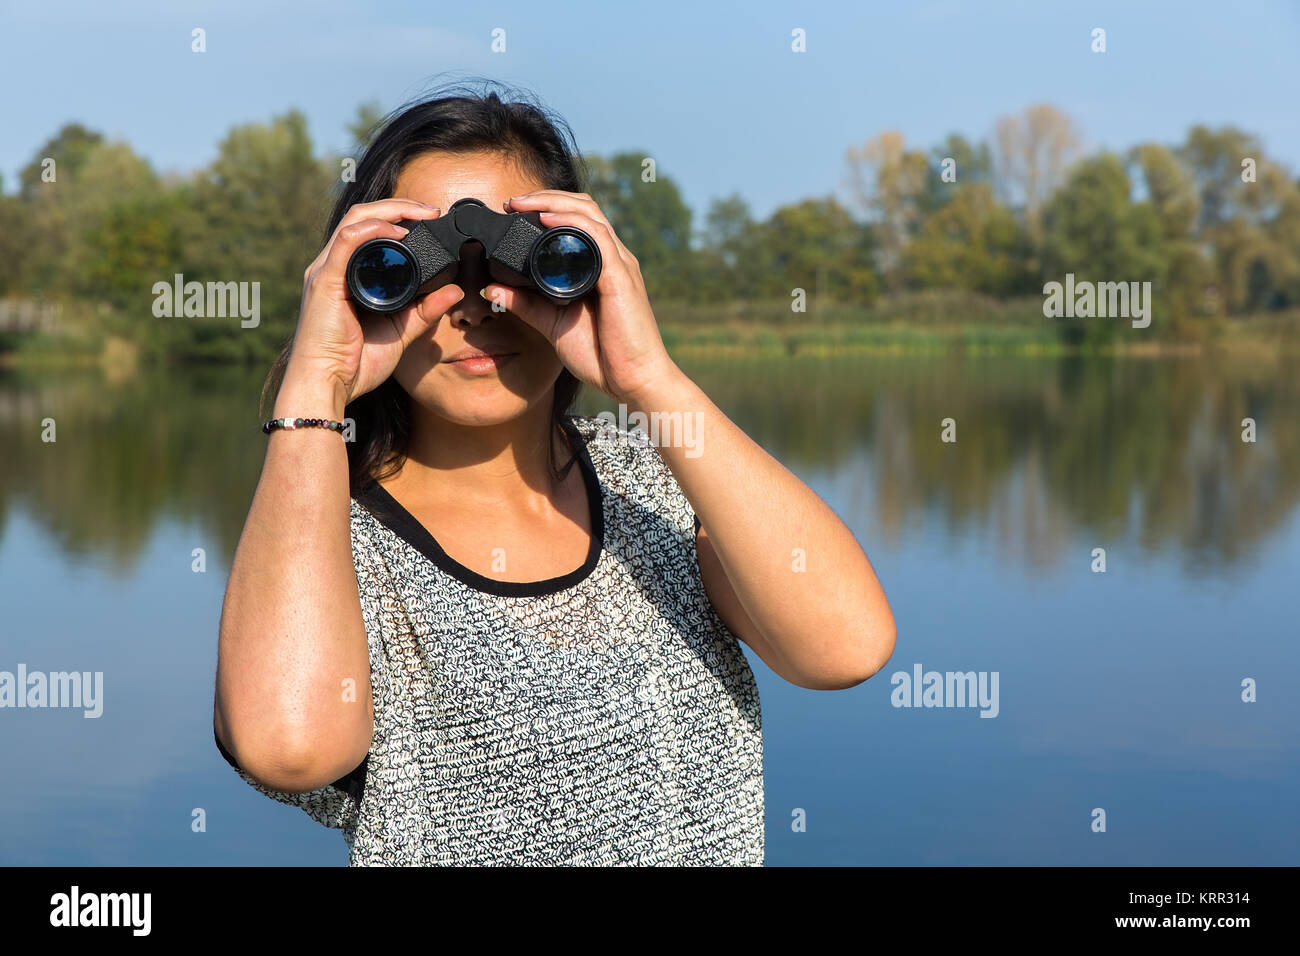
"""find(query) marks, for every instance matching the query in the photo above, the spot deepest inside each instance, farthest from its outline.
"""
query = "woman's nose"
(471, 277)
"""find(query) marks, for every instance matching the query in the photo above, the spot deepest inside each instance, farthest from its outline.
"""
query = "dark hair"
(455, 119)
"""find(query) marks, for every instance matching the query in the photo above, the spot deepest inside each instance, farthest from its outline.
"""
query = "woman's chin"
(480, 407)
(484, 393)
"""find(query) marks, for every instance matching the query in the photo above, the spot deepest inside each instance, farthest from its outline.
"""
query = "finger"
(613, 252)
(347, 239)
(413, 321)
(532, 307)
(546, 201)
(558, 201)
(552, 202)
(388, 210)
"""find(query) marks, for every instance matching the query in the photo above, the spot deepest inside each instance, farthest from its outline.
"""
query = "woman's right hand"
(340, 347)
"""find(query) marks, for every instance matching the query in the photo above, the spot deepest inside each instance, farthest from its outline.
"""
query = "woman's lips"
(481, 363)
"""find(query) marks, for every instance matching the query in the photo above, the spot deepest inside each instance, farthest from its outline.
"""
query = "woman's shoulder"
(618, 449)
(627, 462)
(601, 427)
(361, 507)
(369, 524)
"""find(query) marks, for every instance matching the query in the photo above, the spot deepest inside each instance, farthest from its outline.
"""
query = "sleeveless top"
(604, 717)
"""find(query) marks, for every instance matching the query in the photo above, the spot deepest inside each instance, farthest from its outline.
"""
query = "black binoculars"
(560, 262)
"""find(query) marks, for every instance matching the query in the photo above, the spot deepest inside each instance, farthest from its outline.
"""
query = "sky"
(711, 90)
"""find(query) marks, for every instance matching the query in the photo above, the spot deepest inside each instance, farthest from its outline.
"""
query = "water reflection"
(1120, 690)
(1045, 449)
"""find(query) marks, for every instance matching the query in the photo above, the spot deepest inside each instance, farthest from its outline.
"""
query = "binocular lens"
(564, 263)
(383, 274)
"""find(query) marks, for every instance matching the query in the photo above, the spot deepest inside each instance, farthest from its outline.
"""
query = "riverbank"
(734, 339)
(905, 325)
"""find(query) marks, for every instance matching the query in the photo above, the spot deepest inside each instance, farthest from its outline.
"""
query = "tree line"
(1213, 223)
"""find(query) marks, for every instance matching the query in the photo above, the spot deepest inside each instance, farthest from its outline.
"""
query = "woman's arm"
(825, 627)
(782, 571)
(292, 630)
(291, 627)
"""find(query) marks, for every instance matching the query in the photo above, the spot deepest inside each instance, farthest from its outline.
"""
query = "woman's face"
(440, 370)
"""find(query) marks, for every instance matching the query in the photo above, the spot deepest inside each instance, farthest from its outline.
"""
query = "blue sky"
(710, 89)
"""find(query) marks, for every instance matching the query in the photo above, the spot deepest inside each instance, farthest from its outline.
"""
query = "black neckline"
(392, 515)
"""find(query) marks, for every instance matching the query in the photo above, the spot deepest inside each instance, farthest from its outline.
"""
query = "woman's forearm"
(794, 567)
(291, 629)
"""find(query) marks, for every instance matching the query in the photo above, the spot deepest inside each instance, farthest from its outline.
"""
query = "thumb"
(428, 309)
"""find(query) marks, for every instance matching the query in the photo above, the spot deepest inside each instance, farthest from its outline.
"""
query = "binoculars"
(561, 262)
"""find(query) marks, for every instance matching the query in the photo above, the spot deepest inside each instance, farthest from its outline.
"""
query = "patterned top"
(603, 717)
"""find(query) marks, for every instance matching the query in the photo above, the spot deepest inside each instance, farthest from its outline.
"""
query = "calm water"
(1119, 690)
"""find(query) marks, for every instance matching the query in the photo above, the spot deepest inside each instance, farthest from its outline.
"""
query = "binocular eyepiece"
(561, 262)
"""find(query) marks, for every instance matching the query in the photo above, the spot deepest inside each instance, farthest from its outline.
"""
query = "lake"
(1158, 696)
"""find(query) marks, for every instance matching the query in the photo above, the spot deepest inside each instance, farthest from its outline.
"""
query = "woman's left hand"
(608, 338)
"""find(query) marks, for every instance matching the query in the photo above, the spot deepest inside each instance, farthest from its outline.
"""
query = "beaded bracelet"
(292, 423)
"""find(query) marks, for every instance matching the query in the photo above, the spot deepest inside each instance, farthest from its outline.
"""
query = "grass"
(919, 323)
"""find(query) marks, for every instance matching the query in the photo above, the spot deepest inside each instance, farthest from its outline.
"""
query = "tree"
(256, 214)
(889, 183)
(69, 148)
(972, 164)
(15, 241)
(649, 217)
(971, 243)
(728, 226)
(724, 263)
(42, 264)
(1034, 151)
(817, 246)
(1214, 159)
(1093, 229)
(366, 123)
(125, 235)
(1284, 231)
(1171, 192)
(1245, 224)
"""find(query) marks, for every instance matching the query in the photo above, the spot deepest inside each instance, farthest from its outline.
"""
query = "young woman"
(486, 631)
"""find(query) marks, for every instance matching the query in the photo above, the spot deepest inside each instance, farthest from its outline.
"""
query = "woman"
(486, 631)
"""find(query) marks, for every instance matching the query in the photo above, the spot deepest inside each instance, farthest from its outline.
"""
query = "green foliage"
(366, 123)
(256, 214)
(69, 148)
(1094, 230)
(973, 243)
(1214, 241)
(814, 245)
(15, 245)
(972, 164)
(649, 216)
